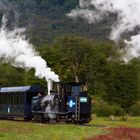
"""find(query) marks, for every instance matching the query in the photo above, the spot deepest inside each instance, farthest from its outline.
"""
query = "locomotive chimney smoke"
(84, 3)
(17, 51)
(128, 13)
(50, 85)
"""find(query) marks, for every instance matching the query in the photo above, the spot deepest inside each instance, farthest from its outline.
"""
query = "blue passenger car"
(16, 101)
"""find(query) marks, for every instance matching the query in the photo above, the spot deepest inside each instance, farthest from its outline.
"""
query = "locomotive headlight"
(71, 103)
(83, 99)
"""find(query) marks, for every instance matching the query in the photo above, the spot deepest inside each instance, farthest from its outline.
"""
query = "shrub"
(124, 118)
(107, 110)
(103, 110)
(135, 109)
(119, 111)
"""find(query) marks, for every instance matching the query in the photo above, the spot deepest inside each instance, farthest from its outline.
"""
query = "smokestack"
(50, 85)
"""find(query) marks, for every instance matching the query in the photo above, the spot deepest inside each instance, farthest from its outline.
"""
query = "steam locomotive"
(67, 102)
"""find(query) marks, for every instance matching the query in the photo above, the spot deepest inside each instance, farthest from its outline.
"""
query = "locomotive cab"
(74, 100)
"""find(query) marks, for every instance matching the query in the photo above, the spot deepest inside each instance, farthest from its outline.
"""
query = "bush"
(107, 110)
(124, 118)
(119, 111)
(135, 109)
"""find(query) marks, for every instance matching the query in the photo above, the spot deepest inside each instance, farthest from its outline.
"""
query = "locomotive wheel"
(40, 118)
(27, 119)
(35, 118)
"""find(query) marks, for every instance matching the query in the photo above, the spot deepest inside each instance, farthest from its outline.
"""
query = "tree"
(13, 76)
(10, 76)
(123, 87)
(74, 54)
(135, 63)
(100, 71)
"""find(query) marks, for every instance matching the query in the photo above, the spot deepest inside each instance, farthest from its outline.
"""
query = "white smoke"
(14, 48)
(128, 13)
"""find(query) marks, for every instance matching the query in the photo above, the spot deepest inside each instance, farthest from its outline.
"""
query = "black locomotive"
(68, 102)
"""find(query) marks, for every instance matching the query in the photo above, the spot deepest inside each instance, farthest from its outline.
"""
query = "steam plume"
(14, 48)
(128, 13)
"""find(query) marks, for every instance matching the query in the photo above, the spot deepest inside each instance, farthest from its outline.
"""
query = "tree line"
(98, 64)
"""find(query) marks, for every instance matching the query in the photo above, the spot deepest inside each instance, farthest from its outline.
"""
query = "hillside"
(46, 20)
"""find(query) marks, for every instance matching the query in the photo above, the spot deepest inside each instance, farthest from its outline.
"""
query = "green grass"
(32, 131)
(131, 122)
(12, 130)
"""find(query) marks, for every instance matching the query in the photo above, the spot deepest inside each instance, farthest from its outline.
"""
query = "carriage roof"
(21, 89)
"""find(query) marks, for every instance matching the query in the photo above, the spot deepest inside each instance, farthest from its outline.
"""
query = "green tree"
(10, 76)
(135, 63)
(74, 54)
(13, 76)
(101, 69)
(123, 90)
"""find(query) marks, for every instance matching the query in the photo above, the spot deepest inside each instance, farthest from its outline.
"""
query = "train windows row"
(11, 98)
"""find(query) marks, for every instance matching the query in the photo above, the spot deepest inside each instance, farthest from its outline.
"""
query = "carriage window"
(21, 98)
(3, 97)
(16, 98)
(8, 98)
(11, 98)
(0, 98)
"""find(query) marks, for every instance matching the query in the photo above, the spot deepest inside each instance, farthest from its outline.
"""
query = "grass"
(131, 122)
(32, 131)
(12, 130)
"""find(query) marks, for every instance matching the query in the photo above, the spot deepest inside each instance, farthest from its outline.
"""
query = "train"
(66, 102)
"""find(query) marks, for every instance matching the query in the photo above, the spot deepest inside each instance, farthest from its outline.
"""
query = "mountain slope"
(46, 20)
